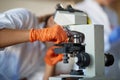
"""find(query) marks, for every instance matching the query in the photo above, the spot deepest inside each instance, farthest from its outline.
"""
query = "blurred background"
(41, 7)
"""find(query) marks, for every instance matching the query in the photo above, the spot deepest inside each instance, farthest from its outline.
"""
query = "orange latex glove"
(51, 58)
(55, 34)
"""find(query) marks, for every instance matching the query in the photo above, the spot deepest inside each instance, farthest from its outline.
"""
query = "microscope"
(85, 45)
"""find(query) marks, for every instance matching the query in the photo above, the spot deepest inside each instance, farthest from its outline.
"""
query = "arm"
(49, 71)
(13, 36)
(10, 24)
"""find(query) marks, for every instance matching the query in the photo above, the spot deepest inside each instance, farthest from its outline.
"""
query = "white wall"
(39, 7)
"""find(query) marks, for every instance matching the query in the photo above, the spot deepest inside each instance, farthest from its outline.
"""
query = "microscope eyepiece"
(59, 7)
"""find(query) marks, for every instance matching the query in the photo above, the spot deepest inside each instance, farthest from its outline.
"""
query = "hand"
(55, 34)
(51, 58)
(115, 35)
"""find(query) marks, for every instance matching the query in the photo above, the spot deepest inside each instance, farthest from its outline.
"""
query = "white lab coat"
(99, 15)
(108, 18)
(25, 59)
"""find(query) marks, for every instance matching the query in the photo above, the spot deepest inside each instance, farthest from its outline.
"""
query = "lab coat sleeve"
(15, 19)
(114, 19)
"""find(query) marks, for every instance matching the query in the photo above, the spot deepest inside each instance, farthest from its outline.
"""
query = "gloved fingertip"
(58, 59)
(66, 40)
(47, 61)
(57, 42)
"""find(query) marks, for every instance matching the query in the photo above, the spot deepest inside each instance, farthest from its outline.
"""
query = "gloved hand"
(51, 58)
(55, 34)
(115, 35)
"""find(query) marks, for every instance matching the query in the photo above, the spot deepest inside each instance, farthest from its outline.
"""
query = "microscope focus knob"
(59, 7)
(109, 60)
(83, 59)
(70, 8)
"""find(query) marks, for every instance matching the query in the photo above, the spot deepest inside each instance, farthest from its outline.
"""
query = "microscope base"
(62, 78)
(70, 77)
